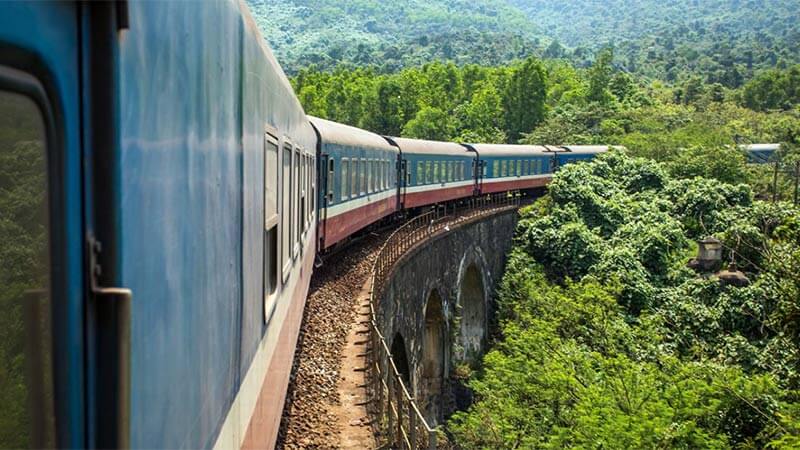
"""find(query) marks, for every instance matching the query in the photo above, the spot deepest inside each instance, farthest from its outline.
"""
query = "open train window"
(345, 178)
(270, 221)
(26, 296)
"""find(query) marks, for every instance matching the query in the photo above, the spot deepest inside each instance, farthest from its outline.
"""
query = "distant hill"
(724, 40)
(392, 35)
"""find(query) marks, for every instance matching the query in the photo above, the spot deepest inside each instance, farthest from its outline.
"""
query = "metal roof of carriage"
(508, 149)
(338, 133)
(760, 147)
(586, 149)
(421, 146)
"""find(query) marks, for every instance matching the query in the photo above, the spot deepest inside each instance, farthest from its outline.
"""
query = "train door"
(402, 182)
(478, 167)
(42, 278)
(325, 180)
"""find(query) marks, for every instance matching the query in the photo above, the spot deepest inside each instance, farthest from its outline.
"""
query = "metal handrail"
(387, 392)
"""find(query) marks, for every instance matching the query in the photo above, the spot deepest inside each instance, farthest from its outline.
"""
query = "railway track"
(314, 412)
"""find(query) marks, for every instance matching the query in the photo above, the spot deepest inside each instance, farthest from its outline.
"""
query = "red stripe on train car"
(340, 226)
(513, 185)
(432, 196)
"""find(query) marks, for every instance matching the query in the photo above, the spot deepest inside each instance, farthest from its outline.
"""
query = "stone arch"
(473, 318)
(472, 313)
(433, 356)
(400, 357)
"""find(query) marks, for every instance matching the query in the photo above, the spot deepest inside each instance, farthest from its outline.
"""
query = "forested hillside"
(723, 41)
(392, 35)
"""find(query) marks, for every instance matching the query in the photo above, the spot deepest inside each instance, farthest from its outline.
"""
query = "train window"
(270, 219)
(26, 388)
(373, 181)
(375, 178)
(428, 172)
(362, 177)
(306, 190)
(309, 190)
(495, 169)
(385, 174)
(519, 167)
(313, 185)
(354, 178)
(330, 179)
(298, 193)
(420, 172)
(286, 201)
(345, 178)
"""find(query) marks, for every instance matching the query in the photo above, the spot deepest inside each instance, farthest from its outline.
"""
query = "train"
(165, 199)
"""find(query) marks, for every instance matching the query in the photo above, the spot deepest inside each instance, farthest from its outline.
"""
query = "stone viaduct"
(438, 303)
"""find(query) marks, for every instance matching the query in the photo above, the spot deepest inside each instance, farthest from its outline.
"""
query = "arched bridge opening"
(433, 358)
(472, 316)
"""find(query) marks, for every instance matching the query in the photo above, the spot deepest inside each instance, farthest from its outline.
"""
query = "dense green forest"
(724, 41)
(608, 340)
(688, 125)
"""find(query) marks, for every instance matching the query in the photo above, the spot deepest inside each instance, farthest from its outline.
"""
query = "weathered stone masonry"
(438, 304)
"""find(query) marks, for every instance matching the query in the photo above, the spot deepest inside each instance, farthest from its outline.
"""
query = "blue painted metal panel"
(539, 165)
(42, 38)
(180, 88)
(268, 101)
(415, 158)
(338, 153)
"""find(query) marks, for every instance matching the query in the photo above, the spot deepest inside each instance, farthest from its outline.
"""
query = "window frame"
(31, 85)
(344, 174)
(271, 224)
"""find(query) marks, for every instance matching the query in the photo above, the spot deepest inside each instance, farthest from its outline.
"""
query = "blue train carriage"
(567, 154)
(434, 171)
(166, 235)
(506, 167)
(358, 177)
(761, 153)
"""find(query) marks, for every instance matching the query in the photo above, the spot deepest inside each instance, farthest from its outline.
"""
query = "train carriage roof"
(496, 150)
(760, 147)
(423, 147)
(587, 149)
(345, 135)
